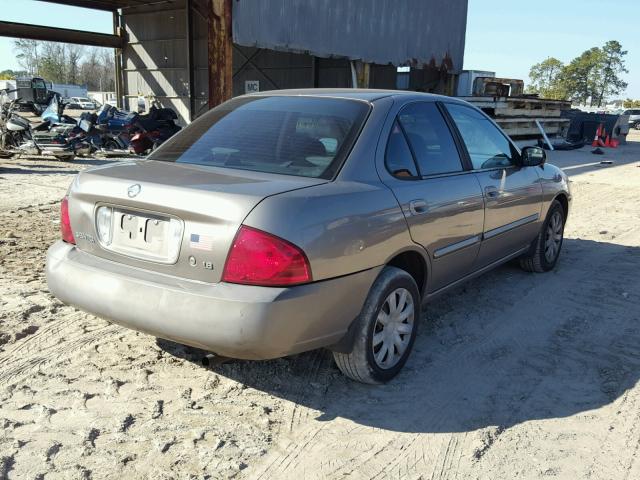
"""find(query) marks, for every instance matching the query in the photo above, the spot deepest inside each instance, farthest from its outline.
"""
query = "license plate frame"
(145, 235)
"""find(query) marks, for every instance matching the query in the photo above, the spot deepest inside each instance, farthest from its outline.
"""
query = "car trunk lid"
(178, 219)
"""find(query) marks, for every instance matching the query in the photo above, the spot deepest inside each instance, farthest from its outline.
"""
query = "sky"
(509, 37)
(503, 37)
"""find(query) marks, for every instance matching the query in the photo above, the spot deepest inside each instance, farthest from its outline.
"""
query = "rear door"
(512, 193)
(441, 201)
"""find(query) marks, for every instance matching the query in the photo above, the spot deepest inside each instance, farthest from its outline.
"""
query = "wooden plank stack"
(517, 115)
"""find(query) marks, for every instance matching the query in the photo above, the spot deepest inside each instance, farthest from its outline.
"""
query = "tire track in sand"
(52, 344)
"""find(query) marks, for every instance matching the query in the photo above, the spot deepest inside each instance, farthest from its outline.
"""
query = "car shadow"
(506, 348)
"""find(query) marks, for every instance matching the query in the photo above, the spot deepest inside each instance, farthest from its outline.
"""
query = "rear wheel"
(110, 144)
(385, 330)
(545, 249)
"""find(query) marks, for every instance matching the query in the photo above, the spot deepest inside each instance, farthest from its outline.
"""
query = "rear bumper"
(232, 320)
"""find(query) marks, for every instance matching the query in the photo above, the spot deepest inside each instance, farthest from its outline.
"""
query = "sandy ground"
(514, 375)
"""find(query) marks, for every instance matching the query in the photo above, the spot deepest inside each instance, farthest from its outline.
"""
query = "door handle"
(418, 207)
(491, 192)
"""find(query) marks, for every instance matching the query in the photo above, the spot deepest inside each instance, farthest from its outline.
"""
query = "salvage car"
(81, 103)
(281, 222)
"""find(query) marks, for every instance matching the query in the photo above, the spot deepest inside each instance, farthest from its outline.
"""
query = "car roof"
(366, 94)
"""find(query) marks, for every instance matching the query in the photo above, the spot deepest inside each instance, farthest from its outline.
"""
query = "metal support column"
(220, 47)
(191, 75)
(117, 30)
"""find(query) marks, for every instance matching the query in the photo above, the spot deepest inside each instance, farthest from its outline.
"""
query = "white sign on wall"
(251, 86)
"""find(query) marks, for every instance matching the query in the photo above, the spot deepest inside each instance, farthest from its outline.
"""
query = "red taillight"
(65, 224)
(259, 258)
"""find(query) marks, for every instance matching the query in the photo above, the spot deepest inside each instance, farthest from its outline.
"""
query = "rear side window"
(430, 139)
(304, 136)
(487, 146)
(398, 158)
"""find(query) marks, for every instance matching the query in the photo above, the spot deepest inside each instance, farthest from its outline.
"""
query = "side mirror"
(533, 156)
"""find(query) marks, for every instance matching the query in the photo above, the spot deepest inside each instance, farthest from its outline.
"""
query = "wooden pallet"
(519, 106)
(517, 115)
(520, 127)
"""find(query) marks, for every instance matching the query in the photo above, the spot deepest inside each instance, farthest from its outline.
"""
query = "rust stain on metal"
(220, 49)
(445, 64)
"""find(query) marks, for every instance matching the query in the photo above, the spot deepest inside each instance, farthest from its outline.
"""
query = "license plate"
(145, 236)
(139, 232)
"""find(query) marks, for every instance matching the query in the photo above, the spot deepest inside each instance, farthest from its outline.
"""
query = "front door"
(442, 202)
(512, 193)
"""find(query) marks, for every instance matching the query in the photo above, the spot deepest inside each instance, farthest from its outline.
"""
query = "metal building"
(193, 54)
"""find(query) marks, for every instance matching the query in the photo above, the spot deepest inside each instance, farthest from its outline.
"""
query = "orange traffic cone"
(607, 142)
(614, 143)
(596, 139)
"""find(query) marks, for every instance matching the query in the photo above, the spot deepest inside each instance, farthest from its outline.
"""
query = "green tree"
(612, 65)
(581, 78)
(65, 63)
(12, 74)
(545, 78)
(592, 76)
(628, 103)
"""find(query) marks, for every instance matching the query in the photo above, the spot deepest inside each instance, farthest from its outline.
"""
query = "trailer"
(66, 90)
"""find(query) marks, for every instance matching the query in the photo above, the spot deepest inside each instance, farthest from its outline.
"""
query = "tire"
(540, 258)
(110, 144)
(365, 363)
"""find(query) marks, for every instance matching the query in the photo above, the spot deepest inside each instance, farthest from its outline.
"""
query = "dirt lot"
(515, 375)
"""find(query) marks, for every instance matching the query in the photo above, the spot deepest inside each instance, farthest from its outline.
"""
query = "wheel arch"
(415, 264)
(411, 260)
(563, 199)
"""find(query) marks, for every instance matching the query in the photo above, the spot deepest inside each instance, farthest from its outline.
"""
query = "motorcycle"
(109, 131)
(67, 137)
(60, 135)
(109, 118)
(151, 130)
(99, 135)
(15, 131)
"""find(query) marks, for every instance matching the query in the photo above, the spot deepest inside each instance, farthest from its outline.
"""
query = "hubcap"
(553, 237)
(394, 325)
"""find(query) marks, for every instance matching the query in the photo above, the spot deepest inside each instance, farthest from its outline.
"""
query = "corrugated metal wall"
(375, 31)
(155, 59)
(289, 33)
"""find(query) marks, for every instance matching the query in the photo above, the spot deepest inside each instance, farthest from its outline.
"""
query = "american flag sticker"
(201, 242)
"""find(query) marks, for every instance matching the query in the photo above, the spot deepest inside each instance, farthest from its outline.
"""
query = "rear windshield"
(304, 136)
